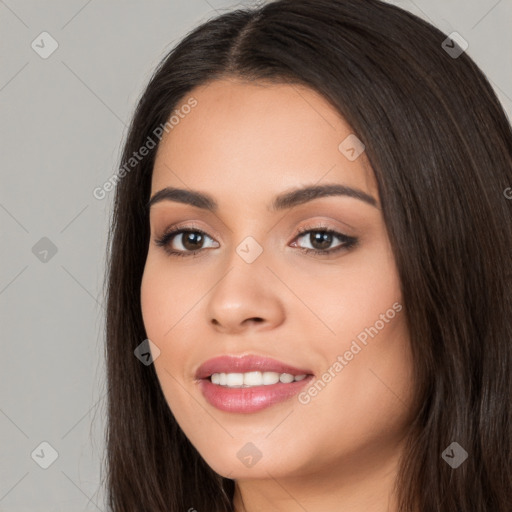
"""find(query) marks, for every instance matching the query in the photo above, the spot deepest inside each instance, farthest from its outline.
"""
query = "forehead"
(252, 137)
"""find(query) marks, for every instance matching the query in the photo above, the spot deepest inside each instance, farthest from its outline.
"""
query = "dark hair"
(440, 146)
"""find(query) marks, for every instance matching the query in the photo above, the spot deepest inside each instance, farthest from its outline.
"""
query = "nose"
(246, 297)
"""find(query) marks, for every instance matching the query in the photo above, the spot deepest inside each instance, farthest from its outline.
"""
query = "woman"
(309, 300)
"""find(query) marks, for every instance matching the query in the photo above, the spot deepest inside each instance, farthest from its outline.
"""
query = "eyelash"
(348, 241)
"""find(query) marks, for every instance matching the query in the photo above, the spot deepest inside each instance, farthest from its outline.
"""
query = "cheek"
(165, 299)
(354, 298)
(166, 305)
(369, 386)
(365, 393)
(162, 307)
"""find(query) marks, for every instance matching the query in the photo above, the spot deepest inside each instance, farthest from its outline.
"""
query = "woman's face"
(256, 287)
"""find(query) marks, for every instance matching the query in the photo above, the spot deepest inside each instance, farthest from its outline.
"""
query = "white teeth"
(269, 378)
(252, 378)
(286, 378)
(234, 379)
(249, 379)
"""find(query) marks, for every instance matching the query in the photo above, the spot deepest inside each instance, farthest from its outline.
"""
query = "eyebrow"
(283, 201)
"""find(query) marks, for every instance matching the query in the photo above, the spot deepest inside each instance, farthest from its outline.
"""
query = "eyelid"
(188, 226)
(311, 225)
(349, 242)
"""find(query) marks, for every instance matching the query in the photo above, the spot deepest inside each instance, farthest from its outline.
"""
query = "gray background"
(63, 120)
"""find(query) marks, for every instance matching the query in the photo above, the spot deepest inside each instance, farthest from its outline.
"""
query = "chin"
(248, 462)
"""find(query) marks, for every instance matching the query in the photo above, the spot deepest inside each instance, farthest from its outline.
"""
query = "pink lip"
(253, 399)
(248, 400)
(243, 364)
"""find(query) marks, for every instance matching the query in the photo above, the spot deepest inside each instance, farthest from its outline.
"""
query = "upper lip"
(246, 363)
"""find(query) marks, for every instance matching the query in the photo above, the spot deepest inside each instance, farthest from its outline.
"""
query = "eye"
(321, 239)
(187, 242)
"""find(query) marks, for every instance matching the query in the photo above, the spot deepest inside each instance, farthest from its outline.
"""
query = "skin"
(243, 144)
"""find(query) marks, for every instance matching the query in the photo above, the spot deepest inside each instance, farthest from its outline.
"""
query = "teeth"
(250, 379)
(234, 379)
(268, 378)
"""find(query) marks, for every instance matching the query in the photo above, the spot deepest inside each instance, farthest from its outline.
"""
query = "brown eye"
(191, 240)
(321, 239)
(183, 242)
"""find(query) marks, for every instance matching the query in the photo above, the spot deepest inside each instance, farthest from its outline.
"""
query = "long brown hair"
(440, 146)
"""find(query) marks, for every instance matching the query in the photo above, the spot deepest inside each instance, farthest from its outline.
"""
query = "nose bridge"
(247, 241)
(243, 292)
(245, 267)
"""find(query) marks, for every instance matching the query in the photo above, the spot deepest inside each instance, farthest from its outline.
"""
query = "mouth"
(248, 364)
(249, 383)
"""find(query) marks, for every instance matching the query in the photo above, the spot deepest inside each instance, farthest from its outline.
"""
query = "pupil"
(322, 238)
(195, 238)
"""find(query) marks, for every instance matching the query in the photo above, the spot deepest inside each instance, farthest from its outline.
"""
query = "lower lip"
(247, 400)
